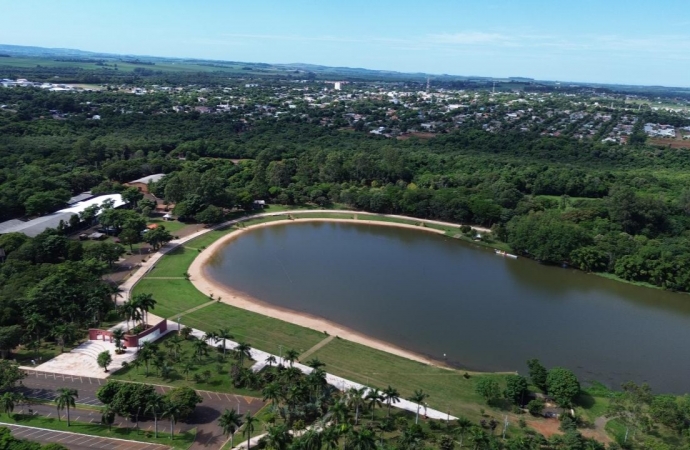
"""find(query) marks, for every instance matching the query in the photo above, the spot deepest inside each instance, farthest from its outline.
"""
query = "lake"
(435, 295)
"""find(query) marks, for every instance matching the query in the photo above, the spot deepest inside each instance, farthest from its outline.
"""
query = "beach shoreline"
(207, 285)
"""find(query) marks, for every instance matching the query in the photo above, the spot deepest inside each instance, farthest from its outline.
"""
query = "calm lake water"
(433, 295)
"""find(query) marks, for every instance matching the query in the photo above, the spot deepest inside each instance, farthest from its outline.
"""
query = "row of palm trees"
(137, 308)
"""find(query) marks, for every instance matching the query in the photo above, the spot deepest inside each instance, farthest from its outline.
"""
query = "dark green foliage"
(537, 373)
(563, 386)
(489, 389)
(516, 389)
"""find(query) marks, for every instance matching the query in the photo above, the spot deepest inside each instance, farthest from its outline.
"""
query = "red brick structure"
(131, 340)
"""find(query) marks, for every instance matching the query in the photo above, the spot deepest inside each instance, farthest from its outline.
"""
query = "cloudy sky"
(611, 41)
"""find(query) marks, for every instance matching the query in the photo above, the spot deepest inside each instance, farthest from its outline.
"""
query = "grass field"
(180, 441)
(173, 226)
(173, 296)
(261, 332)
(449, 390)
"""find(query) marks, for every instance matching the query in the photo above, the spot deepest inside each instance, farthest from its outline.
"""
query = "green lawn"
(180, 441)
(259, 331)
(217, 367)
(173, 226)
(449, 390)
(175, 263)
(173, 296)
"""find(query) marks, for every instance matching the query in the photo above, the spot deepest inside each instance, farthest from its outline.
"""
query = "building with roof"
(143, 183)
(37, 226)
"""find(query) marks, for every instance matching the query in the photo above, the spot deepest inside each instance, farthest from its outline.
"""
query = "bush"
(536, 407)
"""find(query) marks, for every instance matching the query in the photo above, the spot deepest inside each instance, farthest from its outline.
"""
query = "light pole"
(178, 324)
(238, 406)
(280, 347)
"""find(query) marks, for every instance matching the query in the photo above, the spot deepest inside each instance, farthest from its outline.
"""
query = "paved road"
(75, 441)
(209, 435)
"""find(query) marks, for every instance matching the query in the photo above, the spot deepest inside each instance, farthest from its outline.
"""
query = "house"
(143, 183)
(38, 225)
(259, 203)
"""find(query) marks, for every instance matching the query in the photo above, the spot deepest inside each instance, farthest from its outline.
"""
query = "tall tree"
(65, 400)
(229, 422)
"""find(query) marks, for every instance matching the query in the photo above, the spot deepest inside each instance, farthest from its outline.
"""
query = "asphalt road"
(76, 441)
(43, 385)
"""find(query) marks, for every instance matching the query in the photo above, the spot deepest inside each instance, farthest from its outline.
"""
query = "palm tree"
(65, 400)
(330, 438)
(147, 353)
(272, 392)
(311, 440)
(7, 402)
(223, 335)
(175, 344)
(363, 439)
(108, 416)
(391, 395)
(478, 437)
(278, 437)
(229, 422)
(145, 303)
(173, 412)
(291, 356)
(463, 424)
(249, 422)
(314, 363)
(156, 405)
(187, 367)
(200, 348)
(270, 360)
(243, 350)
(338, 412)
(355, 398)
(118, 337)
(374, 398)
(418, 397)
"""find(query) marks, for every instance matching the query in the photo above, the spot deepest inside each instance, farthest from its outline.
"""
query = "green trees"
(65, 400)
(155, 405)
(7, 403)
(392, 396)
(374, 398)
(249, 426)
(185, 398)
(104, 359)
(489, 389)
(229, 422)
(516, 388)
(563, 386)
(158, 237)
(418, 397)
(537, 374)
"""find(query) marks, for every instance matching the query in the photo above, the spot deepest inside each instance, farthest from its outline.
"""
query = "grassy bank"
(180, 441)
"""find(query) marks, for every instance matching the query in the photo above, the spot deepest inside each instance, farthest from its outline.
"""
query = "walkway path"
(315, 348)
(196, 308)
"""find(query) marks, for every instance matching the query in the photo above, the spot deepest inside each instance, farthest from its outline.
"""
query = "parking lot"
(76, 441)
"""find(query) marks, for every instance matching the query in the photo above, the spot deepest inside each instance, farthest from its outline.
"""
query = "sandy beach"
(207, 285)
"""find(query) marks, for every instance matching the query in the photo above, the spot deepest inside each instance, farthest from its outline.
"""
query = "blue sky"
(611, 41)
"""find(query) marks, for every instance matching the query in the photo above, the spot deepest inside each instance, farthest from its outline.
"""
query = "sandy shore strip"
(207, 286)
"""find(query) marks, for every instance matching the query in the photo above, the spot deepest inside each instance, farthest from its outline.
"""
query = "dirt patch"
(671, 143)
(549, 427)
(419, 135)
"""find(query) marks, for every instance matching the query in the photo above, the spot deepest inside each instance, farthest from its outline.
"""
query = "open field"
(173, 296)
(173, 226)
